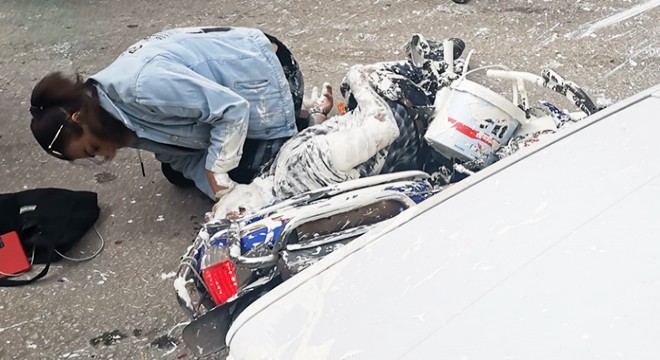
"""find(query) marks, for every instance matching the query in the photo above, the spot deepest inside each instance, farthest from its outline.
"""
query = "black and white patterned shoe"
(420, 51)
(417, 50)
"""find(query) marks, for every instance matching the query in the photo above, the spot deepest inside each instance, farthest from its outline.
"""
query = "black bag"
(49, 222)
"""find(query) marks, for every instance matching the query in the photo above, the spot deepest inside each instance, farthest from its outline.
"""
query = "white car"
(553, 252)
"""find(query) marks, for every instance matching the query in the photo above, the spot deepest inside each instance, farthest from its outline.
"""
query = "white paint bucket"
(471, 122)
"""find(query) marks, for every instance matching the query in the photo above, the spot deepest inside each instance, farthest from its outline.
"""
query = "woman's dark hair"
(54, 98)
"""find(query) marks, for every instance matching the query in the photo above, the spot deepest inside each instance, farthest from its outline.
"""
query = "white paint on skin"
(245, 196)
(223, 180)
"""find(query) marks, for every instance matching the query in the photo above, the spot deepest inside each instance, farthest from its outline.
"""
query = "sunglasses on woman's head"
(57, 135)
(84, 162)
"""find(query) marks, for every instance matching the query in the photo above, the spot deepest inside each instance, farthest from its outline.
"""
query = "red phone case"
(12, 256)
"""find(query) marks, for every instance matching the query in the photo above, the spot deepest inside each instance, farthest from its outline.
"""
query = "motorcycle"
(234, 261)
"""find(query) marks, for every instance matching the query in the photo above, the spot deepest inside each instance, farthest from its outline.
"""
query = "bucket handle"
(518, 78)
(550, 80)
(466, 71)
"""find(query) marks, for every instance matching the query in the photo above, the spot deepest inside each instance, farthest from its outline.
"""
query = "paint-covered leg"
(370, 104)
(377, 127)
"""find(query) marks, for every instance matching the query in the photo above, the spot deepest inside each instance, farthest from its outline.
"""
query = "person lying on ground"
(212, 103)
(383, 133)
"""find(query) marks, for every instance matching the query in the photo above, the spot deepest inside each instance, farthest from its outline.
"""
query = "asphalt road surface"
(121, 304)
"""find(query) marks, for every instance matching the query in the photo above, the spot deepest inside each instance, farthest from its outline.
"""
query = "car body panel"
(552, 252)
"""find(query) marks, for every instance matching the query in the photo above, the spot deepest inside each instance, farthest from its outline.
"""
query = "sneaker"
(417, 50)
(437, 53)
(420, 51)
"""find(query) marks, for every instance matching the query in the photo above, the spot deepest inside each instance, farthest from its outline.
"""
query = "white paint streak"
(591, 28)
(104, 277)
(180, 288)
(169, 275)
(553, 36)
(630, 59)
(507, 228)
(17, 324)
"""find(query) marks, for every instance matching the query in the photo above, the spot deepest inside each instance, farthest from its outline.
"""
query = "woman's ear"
(75, 117)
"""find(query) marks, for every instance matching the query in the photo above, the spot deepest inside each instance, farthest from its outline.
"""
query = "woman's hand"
(221, 184)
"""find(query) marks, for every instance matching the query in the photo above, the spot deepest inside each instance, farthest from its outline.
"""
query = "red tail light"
(221, 281)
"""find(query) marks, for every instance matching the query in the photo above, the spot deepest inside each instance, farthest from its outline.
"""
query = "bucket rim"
(490, 96)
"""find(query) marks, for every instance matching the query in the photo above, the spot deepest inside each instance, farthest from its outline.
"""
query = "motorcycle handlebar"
(516, 75)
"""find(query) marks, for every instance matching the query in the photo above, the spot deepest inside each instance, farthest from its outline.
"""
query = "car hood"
(550, 253)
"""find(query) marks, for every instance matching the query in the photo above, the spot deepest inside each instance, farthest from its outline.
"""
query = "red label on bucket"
(468, 131)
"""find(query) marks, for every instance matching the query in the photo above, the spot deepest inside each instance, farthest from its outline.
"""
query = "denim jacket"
(203, 88)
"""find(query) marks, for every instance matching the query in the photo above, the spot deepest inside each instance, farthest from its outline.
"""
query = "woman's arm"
(173, 90)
